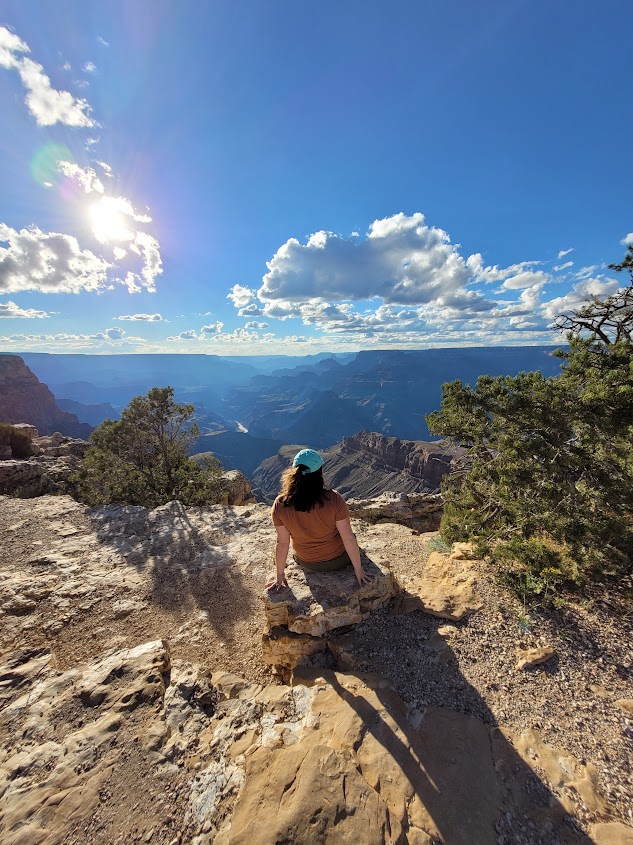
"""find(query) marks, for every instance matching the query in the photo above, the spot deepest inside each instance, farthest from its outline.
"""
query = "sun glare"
(110, 224)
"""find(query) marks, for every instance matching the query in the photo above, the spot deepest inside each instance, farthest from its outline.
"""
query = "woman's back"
(315, 536)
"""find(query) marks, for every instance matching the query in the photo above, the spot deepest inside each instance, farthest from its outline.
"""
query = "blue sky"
(245, 177)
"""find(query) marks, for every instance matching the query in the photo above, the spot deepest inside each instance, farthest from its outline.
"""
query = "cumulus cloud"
(47, 105)
(402, 260)
(190, 334)
(149, 318)
(211, 329)
(627, 239)
(565, 252)
(86, 177)
(49, 262)
(90, 67)
(10, 309)
(253, 324)
(241, 296)
(578, 296)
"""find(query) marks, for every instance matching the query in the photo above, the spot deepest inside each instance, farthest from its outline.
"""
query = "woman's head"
(302, 484)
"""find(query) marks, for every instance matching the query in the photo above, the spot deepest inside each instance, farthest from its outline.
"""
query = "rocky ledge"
(119, 723)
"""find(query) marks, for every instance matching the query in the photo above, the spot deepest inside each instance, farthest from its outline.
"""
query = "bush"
(142, 459)
(19, 442)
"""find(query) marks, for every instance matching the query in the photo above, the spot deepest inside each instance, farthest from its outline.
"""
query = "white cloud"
(559, 267)
(586, 272)
(47, 105)
(149, 318)
(86, 177)
(525, 280)
(475, 264)
(578, 296)
(90, 67)
(105, 166)
(211, 329)
(48, 262)
(241, 296)
(252, 310)
(10, 309)
(627, 239)
(253, 324)
(190, 334)
(401, 260)
(236, 336)
(102, 41)
(565, 252)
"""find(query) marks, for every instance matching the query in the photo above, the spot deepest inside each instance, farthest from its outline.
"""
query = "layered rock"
(334, 758)
(316, 603)
(24, 399)
(56, 459)
(368, 464)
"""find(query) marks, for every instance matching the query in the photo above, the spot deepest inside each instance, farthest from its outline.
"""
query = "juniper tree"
(546, 487)
(143, 458)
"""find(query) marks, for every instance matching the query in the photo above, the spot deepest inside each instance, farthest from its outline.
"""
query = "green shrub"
(143, 458)
(19, 442)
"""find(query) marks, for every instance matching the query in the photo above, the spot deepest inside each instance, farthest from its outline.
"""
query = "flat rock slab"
(447, 589)
(317, 602)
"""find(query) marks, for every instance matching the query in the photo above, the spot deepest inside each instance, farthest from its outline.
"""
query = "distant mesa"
(368, 464)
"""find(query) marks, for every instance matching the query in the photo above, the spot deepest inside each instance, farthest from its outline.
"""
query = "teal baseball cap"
(309, 458)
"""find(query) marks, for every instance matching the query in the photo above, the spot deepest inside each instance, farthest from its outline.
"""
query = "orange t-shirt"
(314, 533)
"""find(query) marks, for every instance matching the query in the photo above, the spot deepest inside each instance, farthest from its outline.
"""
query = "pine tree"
(547, 483)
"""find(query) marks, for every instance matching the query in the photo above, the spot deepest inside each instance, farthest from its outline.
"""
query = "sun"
(110, 218)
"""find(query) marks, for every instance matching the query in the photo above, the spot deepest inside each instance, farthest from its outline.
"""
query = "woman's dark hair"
(303, 492)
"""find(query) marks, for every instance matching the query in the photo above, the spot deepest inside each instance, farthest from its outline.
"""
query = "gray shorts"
(324, 565)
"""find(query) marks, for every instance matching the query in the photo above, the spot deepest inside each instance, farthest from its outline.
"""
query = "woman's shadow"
(448, 763)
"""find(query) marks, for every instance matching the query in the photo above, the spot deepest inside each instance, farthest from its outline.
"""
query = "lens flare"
(43, 166)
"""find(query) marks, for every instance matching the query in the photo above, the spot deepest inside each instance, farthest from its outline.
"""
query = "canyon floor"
(136, 706)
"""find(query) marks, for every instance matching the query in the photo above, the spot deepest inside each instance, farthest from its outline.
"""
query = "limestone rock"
(446, 589)
(625, 704)
(317, 602)
(421, 511)
(612, 833)
(236, 488)
(284, 648)
(531, 657)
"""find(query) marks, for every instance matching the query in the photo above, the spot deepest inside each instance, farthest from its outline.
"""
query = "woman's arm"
(351, 547)
(281, 555)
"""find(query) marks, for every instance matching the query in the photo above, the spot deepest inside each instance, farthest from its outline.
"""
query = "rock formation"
(135, 706)
(56, 459)
(24, 399)
(369, 464)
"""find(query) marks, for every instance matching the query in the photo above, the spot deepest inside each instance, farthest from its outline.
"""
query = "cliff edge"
(24, 399)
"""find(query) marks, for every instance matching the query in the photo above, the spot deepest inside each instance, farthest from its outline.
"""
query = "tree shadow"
(190, 571)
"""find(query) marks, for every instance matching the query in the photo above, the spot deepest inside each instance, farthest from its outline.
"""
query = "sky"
(238, 178)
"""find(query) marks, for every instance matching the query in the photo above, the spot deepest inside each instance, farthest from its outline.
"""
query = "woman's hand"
(277, 584)
(362, 577)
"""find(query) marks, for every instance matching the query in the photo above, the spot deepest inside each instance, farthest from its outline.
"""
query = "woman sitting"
(316, 519)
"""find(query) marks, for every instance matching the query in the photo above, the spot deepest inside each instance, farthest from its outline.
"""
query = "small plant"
(18, 440)
(438, 544)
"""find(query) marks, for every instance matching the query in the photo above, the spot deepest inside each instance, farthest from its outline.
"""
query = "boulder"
(27, 429)
(612, 833)
(315, 603)
(447, 588)
(236, 488)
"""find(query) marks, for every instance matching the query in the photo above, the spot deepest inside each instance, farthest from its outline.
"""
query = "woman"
(316, 519)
